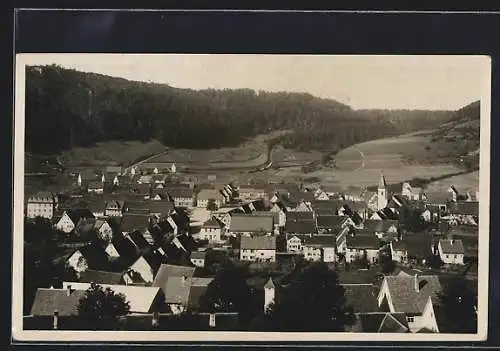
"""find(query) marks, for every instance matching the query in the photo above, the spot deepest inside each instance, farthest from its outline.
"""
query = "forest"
(66, 108)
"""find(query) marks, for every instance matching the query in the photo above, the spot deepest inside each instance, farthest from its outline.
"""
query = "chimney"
(416, 282)
(68, 290)
(55, 320)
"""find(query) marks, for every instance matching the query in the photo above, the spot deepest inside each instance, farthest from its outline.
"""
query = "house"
(274, 215)
(183, 293)
(301, 228)
(281, 211)
(182, 197)
(114, 208)
(160, 208)
(359, 245)
(411, 193)
(399, 251)
(144, 269)
(103, 230)
(244, 224)
(101, 277)
(205, 196)
(41, 204)
(387, 213)
(56, 302)
(70, 218)
(415, 296)
(96, 205)
(463, 212)
(141, 299)
(294, 244)
(173, 280)
(361, 297)
(441, 199)
(300, 216)
(383, 229)
(258, 249)
(141, 189)
(319, 248)
(96, 187)
(328, 224)
(131, 222)
(249, 194)
(451, 251)
(420, 247)
(88, 257)
(341, 241)
(139, 241)
(198, 258)
(321, 195)
(211, 230)
(352, 213)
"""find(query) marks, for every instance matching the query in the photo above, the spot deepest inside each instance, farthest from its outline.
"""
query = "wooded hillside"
(66, 108)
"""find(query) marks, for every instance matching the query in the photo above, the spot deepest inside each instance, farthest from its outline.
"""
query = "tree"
(228, 292)
(457, 307)
(101, 308)
(313, 301)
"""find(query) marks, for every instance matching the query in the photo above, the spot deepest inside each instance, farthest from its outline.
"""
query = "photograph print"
(276, 197)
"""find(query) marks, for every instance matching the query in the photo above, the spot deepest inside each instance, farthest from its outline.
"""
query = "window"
(410, 319)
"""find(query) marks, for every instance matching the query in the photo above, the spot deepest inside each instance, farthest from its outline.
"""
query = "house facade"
(211, 231)
(294, 245)
(258, 249)
(451, 251)
(42, 204)
(358, 247)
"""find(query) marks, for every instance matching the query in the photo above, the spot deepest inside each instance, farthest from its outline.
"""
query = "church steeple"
(382, 193)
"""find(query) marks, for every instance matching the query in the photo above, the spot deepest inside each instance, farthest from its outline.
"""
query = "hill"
(68, 109)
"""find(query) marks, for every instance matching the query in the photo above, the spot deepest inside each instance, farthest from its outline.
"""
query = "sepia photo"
(182, 197)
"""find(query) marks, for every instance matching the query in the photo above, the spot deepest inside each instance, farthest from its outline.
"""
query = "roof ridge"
(395, 319)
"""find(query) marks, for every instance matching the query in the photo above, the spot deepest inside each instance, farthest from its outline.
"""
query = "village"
(160, 240)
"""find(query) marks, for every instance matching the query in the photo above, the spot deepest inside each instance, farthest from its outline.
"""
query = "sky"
(362, 82)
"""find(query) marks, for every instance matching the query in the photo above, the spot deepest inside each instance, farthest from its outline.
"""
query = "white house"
(247, 224)
(141, 267)
(103, 229)
(211, 230)
(269, 293)
(258, 249)
(399, 251)
(319, 248)
(294, 245)
(413, 295)
(77, 261)
(451, 251)
(67, 223)
(360, 245)
(42, 204)
(411, 193)
(206, 195)
(198, 258)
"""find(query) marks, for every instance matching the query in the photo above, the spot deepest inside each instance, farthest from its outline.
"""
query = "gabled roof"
(308, 227)
(331, 222)
(131, 222)
(382, 322)
(138, 240)
(213, 223)
(297, 196)
(76, 214)
(406, 298)
(200, 255)
(42, 197)
(186, 193)
(178, 289)
(438, 197)
(451, 246)
(274, 215)
(382, 184)
(319, 241)
(269, 284)
(161, 207)
(250, 223)
(47, 301)
(100, 277)
(167, 271)
(95, 255)
(419, 244)
(299, 216)
(258, 243)
(362, 242)
(208, 194)
(140, 298)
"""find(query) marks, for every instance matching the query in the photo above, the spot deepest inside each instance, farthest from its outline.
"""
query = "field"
(111, 153)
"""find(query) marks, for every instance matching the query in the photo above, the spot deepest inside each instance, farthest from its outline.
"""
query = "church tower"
(269, 289)
(382, 193)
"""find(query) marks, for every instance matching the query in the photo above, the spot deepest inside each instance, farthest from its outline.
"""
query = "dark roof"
(198, 255)
(297, 196)
(42, 197)
(155, 259)
(95, 255)
(76, 214)
(405, 297)
(319, 241)
(362, 242)
(160, 207)
(138, 240)
(275, 215)
(49, 300)
(213, 223)
(451, 246)
(300, 227)
(464, 208)
(418, 244)
(124, 247)
(327, 205)
(180, 192)
(356, 218)
(250, 223)
(258, 243)
(331, 222)
(387, 214)
(361, 297)
(95, 184)
(100, 277)
(299, 216)
(131, 222)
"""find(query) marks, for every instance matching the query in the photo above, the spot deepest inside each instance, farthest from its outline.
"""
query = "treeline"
(66, 108)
